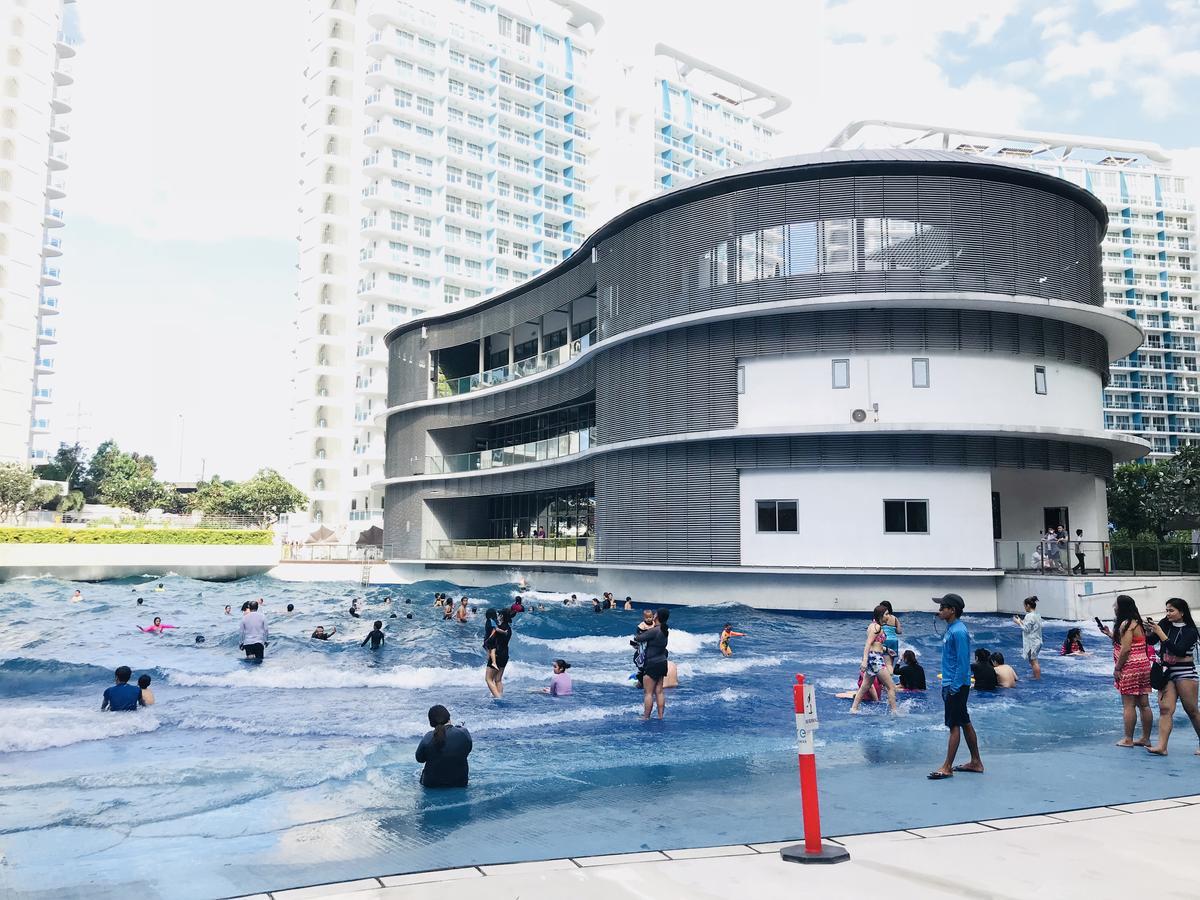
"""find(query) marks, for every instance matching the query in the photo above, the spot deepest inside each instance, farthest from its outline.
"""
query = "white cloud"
(186, 117)
(1108, 7)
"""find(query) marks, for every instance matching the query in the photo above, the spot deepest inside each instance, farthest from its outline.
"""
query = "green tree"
(18, 493)
(1132, 500)
(217, 498)
(135, 491)
(72, 502)
(268, 495)
(69, 464)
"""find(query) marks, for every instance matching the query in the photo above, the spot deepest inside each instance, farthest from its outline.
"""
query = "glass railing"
(535, 451)
(504, 374)
(561, 549)
(1091, 558)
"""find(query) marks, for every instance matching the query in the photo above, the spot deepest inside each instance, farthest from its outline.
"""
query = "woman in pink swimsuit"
(157, 628)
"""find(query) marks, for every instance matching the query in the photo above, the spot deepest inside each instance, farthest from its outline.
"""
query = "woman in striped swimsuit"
(1176, 636)
(1131, 670)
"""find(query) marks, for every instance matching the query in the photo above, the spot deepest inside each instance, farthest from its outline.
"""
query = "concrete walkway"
(1105, 851)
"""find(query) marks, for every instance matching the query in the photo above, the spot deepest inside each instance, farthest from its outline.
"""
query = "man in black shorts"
(956, 688)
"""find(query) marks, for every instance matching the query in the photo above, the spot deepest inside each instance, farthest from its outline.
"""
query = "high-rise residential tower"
(37, 47)
(458, 148)
(1149, 258)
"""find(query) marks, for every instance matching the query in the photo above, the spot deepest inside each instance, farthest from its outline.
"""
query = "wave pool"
(246, 778)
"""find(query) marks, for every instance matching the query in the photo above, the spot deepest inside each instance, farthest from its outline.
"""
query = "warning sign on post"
(809, 716)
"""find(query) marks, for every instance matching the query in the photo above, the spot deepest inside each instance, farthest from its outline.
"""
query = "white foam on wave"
(725, 665)
(681, 643)
(43, 727)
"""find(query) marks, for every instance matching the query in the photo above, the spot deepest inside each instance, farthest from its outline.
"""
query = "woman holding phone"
(1176, 636)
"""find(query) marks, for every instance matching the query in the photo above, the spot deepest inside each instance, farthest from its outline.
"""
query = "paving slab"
(529, 868)
(851, 841)
(430, 877)
(1021, 822)
(707, 852)
(1086, 815)
(615, 858)
(326, 890)
(1193, 799)
(1148, 806)
(938, 831)
(776, 846)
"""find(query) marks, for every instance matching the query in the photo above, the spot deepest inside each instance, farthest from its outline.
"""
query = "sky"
(180, 255)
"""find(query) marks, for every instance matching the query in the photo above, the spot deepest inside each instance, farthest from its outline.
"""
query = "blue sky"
(180, 247)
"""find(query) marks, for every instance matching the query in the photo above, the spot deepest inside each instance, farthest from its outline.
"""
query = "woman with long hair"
(1176, 636)
(876, 661)
(891, 632)
(1131, 670)
(655, 666)
(496, 645)
(444, 751)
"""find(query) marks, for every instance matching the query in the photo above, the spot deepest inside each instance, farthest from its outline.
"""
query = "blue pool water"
(300, 770)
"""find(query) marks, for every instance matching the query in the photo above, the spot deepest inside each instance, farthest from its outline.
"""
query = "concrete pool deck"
(1084, 853)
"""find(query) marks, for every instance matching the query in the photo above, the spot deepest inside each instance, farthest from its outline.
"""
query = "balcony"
(54, 218)
(39, 426)
(43, 395)
(56, 190)
(568, 444)
(51, 276)
(45, 366)
(47, 335)
(59, 131)
(521, 369)
(52, 247)
(48, 306)
(561, 549)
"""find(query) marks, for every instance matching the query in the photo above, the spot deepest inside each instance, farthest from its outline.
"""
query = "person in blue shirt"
(122, 696)
(956, 688)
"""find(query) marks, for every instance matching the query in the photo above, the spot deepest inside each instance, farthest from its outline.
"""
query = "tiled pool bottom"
(300, 771)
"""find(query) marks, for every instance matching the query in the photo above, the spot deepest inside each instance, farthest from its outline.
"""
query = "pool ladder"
(366, 574)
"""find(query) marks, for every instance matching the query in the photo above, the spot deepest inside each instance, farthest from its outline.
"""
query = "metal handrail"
(1100, 558)
(521, 369)
(567, 444)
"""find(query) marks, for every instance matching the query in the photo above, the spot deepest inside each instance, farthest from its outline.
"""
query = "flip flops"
(965, 769)
(938, 776)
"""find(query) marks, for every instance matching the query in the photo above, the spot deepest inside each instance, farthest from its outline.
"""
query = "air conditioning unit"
(859, 415)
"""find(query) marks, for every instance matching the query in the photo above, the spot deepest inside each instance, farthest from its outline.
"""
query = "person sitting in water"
(122, 696)
(77, 597)
(1073, 644)
(874, 690)
(139, 601)
(672, 679)
(147, 694)
(517, 606)
(320, 634)
(354, 608)
(228, 610)
(157, 628)
(1006, 675)
(912, 675)
(983, 671)
(596, 607)
(560, 682)
(375, 636)
(726, 633)
(160, 588)
(444, 752)
(464, 611)
(438, 601)
(448, 611)
(628, 603)
(291, 608)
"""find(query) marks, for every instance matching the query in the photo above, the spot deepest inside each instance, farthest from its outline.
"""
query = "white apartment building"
(453, 149)
(35, 40)
(1150, 259)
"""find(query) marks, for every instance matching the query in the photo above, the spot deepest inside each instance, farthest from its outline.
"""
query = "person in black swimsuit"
(496, 646)
(375, 637)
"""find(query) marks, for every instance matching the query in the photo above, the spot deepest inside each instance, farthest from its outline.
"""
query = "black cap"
(952, 601)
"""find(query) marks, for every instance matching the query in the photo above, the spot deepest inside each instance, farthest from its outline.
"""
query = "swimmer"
(560, 682)
(596, 607)
(1006, 675)
(77, 597)
(437, 600)
(448, 611)
(199, 639)
(1073, 644)
(726, 633)
(157, 628)
(291, 608)
(464, 612)
(147, 694)
(354, 608)
(320, 634)
(628, 603)
(228, 610)
(159, 589)
(139, 601)
(375, 636)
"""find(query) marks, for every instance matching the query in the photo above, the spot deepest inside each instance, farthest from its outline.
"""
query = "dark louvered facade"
(913, 253)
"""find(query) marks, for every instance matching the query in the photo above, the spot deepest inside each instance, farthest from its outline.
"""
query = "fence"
(1100, 558)
(330, 553)
(529, 550)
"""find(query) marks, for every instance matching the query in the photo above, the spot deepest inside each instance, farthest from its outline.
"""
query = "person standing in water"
(444, 752)
(375, 636)
(956, 688)
(891, 632)
(464, 612)
(147, 694)
(876, 662)
(320, 634)
(253, 633)
(655, 667)
(496, 646)
(1131, 671)
(726, 633)
(122, 696)
(1031, 635)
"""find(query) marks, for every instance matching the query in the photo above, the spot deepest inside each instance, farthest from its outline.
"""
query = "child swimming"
(157, 628)
(147, 694)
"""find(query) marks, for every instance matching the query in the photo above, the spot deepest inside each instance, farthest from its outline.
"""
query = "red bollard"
(812, 850)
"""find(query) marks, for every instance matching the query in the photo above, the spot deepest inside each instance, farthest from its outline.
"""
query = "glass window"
(1039, 379)
(906, 516)
(741, 379)
(920, 372)
(841, 373)
(777, 515)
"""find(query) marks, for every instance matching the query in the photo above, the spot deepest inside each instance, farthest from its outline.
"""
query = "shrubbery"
(133, 536)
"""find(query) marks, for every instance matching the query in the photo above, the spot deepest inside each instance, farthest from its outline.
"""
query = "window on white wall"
(920, 372)
(1039, 379)
(841, 373)
(741, 379)
(906, 516)
(777, 516)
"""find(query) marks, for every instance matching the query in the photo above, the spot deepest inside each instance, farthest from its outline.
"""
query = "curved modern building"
(813, 382)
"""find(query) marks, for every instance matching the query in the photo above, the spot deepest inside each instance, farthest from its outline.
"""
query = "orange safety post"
(812, 850)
